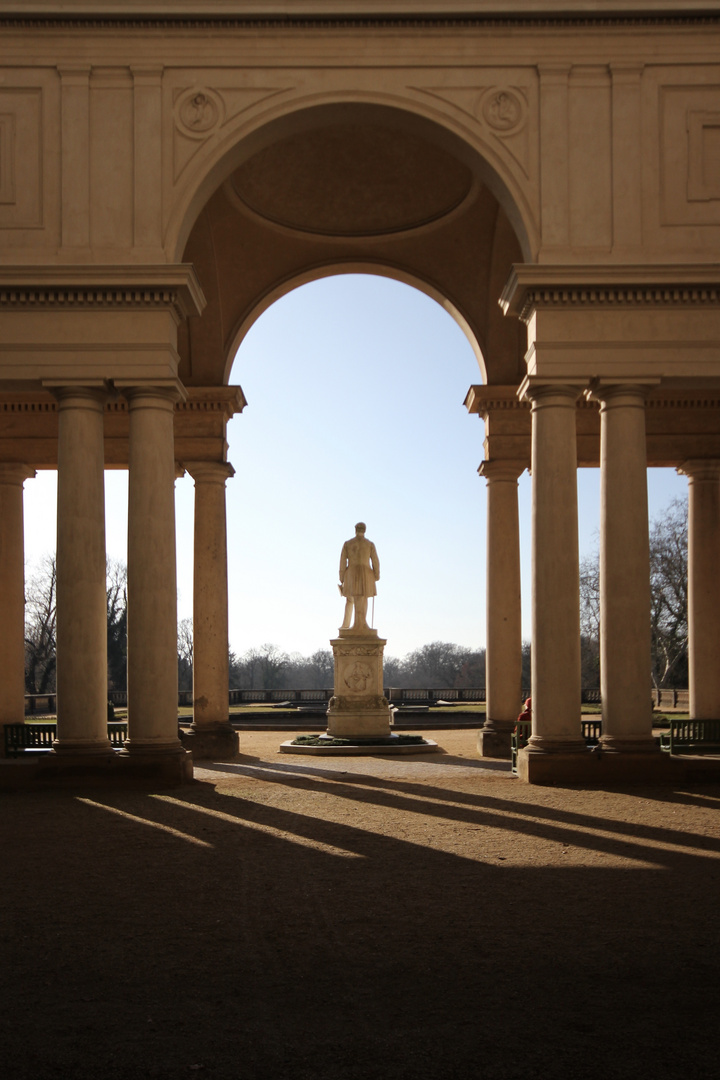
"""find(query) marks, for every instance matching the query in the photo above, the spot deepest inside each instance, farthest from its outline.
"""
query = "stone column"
(211, 734)
(503, 610)
(703, 587)
(624, 570)
(12, 594)
(555, 570)
(152, 574)
(81, 573)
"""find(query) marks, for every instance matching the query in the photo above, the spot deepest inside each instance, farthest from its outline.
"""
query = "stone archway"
(311, 203)
(589, 149)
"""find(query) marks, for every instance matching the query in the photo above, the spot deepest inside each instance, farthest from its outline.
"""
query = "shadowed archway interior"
(365, 186)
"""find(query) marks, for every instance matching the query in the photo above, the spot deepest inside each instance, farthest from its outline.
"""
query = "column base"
(114, 770)
(137, 747)
(218, 742)
(552, 744)
(82, 747)
(596, 769)
(494, 740)
(616, 744)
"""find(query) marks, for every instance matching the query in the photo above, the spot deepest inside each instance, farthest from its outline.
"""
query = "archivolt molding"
(203, 112)
(500, 109)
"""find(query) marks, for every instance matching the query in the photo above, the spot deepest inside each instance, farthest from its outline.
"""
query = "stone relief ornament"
(358, 677)
(502, 109)
(198, 112)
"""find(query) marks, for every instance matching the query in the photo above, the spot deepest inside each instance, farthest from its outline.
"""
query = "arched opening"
(352, 187)
(408, 130)
(355, 388)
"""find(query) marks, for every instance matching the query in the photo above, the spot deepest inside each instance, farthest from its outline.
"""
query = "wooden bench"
(21, 739)
(691, 736)
(591, 731)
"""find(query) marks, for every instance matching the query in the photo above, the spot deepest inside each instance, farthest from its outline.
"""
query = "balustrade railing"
(39, 704)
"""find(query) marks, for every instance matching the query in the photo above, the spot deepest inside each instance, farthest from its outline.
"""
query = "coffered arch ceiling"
(354, 187)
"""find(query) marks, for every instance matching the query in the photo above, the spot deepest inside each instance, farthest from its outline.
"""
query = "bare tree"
(668, 602)
(185, 654)
(117, 624)
(40, 627)
(669, 595)
(441, 664)
(590, 621)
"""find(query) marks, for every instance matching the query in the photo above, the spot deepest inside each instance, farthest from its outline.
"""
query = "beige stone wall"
(604, 146)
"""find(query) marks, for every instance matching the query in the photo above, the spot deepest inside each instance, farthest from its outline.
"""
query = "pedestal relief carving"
(358, 708)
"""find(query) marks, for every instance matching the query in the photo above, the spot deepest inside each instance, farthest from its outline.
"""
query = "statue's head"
(360, 527)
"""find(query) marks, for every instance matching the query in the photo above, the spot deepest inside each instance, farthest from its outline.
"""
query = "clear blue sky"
(355, 389)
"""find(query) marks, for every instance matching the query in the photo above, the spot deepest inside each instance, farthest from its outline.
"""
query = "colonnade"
(624, 578)
(152, 589)
(152, 630)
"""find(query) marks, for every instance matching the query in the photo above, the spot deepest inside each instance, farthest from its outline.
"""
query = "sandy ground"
(423, 917)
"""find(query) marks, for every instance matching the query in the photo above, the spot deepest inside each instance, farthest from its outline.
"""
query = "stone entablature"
(629, 322)
(681, 423)
(29, 426)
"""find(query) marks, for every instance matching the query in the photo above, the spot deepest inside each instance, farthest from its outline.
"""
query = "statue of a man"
(359, 570)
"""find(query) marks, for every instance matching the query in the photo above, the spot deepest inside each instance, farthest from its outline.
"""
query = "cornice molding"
(228, 400)
(531, 287)
(130, 288)
(357, 22)
(484, 400)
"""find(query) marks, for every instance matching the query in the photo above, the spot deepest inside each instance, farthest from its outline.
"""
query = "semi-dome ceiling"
(352, 179)
(360, 188)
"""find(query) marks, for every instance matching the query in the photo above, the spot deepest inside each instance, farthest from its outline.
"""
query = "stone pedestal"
(358, 709)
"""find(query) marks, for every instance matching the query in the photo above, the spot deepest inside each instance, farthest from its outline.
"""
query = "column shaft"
(152, 574)
(556, 575)
(12, 595)
(703, 587)
(210, 596)
(81, 573)
(624, 571)
(503, 661)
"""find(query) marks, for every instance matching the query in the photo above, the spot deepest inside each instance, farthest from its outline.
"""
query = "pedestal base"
(358, 708)
(148, 771)
(495, 743)
(427, 746)
(597, 769)
(218, 743)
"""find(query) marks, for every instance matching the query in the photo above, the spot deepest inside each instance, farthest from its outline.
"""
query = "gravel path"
(327, 918)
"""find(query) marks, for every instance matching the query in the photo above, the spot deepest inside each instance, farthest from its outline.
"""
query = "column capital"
(156, 394)
(209, 472)
(613, 390)
(704, 469)
(83, 392)
(12, 472)
(502, 470)
(537, 387)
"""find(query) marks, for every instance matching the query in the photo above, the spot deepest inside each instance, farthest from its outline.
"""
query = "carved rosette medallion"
(198, 112)
(503, 110)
